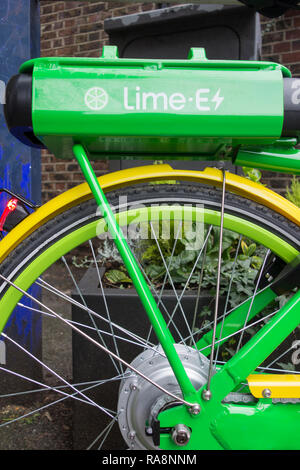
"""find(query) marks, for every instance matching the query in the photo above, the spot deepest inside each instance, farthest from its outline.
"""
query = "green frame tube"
(155, 316)
(257, 349)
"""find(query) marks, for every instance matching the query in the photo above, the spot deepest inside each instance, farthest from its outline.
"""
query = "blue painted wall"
(19, 41)
(19, 165)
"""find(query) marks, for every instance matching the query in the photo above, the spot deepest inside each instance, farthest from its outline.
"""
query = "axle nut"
(181, 435)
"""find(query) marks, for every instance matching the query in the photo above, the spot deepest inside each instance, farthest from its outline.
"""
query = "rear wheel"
(84, 295)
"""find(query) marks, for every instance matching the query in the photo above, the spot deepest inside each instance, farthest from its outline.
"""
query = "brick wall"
(281, 43)
(74, 28)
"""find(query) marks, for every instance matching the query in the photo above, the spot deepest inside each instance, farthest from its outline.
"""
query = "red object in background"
(12, 204)
(10, 207)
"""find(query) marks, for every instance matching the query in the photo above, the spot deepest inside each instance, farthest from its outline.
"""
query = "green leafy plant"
(293, 193)
(182, 260)
(252, 174)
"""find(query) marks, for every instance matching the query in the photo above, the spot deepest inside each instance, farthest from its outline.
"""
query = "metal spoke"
(161, 302)
(190, 275)
(108, 427)
(279, 357)
(87, 399)
(87, 309)
(166, 276)
(57, 387)
(100, 346)
(107, 433)
(200, 280)
(84, 303)
(253, 297)
(221, 317)
(55, 402)
(172, 284)
(240, 331)
(228, 293)
(169, 263)
(105, 302)
(83, 325)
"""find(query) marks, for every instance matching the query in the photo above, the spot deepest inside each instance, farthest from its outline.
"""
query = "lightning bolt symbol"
(218, 99)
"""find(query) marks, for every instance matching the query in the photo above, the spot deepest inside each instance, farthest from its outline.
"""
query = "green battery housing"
(195, 108)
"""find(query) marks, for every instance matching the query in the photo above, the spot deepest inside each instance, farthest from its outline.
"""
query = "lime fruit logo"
(96, 98)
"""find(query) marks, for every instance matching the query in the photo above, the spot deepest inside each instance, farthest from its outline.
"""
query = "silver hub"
(140, 401)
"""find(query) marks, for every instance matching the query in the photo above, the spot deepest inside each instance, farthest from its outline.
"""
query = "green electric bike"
(207, 356)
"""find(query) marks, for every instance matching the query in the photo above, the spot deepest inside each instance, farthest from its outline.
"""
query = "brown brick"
(272, 58)
(46, 9)
(89, 46)
(89, 27)
(284, 24)
(60, 187)
(58, 6)
(80, 38)
(295, 69)
(67, 31)
(292, 13)
(282, 46)
(77, 176)
(49, 35)
(291, 57)
(45, 28)
(60, 167)
(45, 45)
(72, 167)
(70, 22)
(68, 41)
(65, 51)
(94, 36)
(293, 34)
(272, 37)
(267, 50)
(296, 45)
(49, 168)
(69, 13)
(48, 18)
(89, 9)
(57, 43)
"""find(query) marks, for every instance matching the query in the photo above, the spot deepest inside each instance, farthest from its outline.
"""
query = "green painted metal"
(268, 427)
(155, 316)
(143, 107)
(219, 426)
(257, 349)
(282, 157)
(261, 426)
(235, 320)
